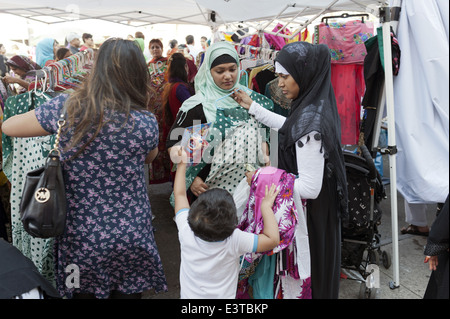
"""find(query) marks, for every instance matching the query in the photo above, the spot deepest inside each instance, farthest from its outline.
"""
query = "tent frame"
(389, 18)
(386, 18)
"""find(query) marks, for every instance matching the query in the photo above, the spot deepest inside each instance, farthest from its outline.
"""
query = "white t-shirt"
(210, 270)
(194, 51)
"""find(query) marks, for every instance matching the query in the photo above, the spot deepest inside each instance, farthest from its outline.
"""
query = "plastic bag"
(194, 142)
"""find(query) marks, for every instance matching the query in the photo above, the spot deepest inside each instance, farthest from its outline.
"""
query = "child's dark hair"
(212, 216)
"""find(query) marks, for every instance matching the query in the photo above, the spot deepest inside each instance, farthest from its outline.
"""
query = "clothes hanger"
(248, 91)
(345, 16)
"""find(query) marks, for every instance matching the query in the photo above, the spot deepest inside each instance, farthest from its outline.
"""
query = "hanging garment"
(345, 40)
(276, 42)
(21, 155)
(346, 43)
(422, 101)
(240, 143)
(348, 84)
(289, 284)
(374, 81)
(258, 271)
(263, 77)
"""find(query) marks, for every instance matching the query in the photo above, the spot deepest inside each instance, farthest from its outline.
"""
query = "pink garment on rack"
(349, 86)
(348, 51)
(276, 42)
(346, 40)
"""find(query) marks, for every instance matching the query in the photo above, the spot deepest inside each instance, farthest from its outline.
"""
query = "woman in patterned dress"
(109, 135)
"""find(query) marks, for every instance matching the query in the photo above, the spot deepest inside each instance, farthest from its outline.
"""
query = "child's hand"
(270, 196)
(178, 155)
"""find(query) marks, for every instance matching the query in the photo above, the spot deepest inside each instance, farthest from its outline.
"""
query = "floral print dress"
(281, 281)
(109, 235)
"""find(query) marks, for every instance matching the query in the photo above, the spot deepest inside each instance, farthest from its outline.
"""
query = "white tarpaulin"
(422, 101)
(140, 12)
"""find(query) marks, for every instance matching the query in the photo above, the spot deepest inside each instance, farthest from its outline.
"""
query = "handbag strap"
(61, 122)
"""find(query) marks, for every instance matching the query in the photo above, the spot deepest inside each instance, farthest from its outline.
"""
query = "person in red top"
(176, 91)
(88, 42)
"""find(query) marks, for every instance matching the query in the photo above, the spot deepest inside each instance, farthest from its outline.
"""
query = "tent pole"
(392, 147)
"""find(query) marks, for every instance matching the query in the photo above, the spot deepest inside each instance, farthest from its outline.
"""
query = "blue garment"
(263, 278)
(44, 51)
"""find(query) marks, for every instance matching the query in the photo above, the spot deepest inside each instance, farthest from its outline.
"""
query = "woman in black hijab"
(305, 77)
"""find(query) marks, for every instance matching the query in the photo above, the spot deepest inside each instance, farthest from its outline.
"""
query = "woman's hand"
(242, 98)
(432, 262)
(9, 79)
(249, 176)
(198, 186)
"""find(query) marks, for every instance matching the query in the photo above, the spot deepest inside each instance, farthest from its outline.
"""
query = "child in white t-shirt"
(210, 242)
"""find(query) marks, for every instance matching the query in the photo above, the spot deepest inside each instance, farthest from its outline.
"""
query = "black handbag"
(43, 203)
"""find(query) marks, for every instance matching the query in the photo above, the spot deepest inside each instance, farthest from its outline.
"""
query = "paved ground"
(414, 274)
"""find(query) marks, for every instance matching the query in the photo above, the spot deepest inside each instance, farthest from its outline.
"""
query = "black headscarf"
(313, 110)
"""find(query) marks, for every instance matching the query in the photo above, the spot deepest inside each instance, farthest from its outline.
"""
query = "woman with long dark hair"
(108, 136)
(176, 91)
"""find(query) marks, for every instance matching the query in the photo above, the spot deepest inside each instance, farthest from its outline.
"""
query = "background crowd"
(120, 133)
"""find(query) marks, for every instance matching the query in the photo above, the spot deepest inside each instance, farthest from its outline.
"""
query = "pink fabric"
(276, 42)
(284, 206)
(346, 40)
(349, 86)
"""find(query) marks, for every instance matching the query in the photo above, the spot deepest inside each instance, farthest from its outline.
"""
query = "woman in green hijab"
(235, 138)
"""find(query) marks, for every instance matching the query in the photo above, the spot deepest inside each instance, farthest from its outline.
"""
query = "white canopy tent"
(200, 12)
(298, 14)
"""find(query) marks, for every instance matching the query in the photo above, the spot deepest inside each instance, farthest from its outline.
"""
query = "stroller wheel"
(386, 259)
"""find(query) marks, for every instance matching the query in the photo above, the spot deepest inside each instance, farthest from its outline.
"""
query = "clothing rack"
(66, 73)
(345, 16)
(265, 54)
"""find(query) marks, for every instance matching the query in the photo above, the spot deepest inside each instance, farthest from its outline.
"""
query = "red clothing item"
(192, 70)
(349, 86)
(179, 93)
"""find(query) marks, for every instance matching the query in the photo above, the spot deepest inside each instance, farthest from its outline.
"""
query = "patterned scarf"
(24, 63)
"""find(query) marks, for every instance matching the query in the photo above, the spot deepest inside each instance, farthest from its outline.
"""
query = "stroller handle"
(369, 160)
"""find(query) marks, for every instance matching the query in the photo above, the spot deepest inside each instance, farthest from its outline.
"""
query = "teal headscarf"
(44, 51)
(207, 92)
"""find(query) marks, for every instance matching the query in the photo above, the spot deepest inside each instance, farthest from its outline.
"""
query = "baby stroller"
(360, 237)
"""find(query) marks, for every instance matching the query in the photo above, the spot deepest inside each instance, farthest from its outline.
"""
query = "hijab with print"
(24, 63)
(44, 51)
(207, 92)
(313, 110)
